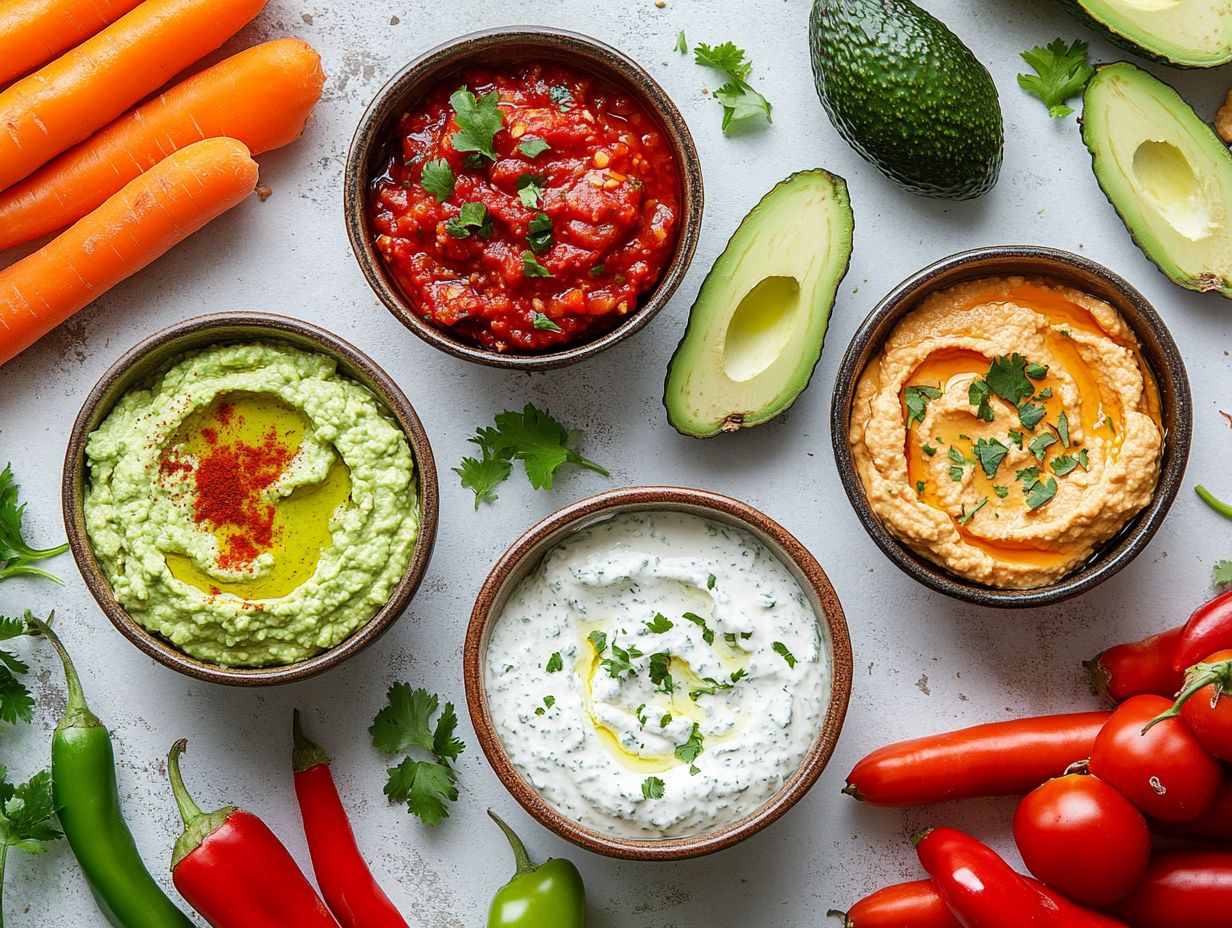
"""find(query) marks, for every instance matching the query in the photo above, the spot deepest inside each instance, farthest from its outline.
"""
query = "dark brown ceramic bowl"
(513, 44)
(1161, 354)
(155, 353)
(526, 554)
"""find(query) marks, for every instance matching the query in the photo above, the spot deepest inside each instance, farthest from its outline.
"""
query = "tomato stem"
(1200, 676)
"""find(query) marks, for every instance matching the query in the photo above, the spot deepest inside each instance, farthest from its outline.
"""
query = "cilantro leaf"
(533, 146)
(539, 233)
(652, 788)
(660, 671)
(660, 624)
(1002, 492)
(16, 702)
(1061, 72)
(1008, 379)
(530, 189)
(478, 119)
(1030, 415)
(598, 641)
(621, 660)
(556, 663)
(707, 631)
(738, 99)
(437, 179)
(968, 516)
(978, 395)
(1028, 474)
(544, 322)
(404, 725)
(27, 814)
(1016, 437)
(540, 442)
(917, 401)
(1083, 459)
(990, 453)
(691, 749)
(483, 475)
(1040, 492)
(682, 44)
(725, 57)
(1223, 572)
(1062, 464)
(1063, 428)
(781, 650)
(531, 266)
(1040, 444)
(470, 216)
(17, 557)
(562, 96)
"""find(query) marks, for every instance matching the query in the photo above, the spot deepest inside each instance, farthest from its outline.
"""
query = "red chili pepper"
(1182, 889)
(1138, 668)
(985, 892)
(1214, 824)
(342, 873)
(234, 871)
(1208, 630)
(907, 905)
(999, 759)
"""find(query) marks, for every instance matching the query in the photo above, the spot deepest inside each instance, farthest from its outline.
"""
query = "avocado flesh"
(1166, 172)
(756, 330)
(1185, 33)
(908, 95)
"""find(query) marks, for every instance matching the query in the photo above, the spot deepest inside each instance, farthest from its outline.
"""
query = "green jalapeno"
(550, 895)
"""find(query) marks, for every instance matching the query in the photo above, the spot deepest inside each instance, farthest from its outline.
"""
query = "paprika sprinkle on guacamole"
(527, 209)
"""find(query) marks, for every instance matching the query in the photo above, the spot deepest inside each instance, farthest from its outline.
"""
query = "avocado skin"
(751, 418)
(1083, 15)
(908, 95)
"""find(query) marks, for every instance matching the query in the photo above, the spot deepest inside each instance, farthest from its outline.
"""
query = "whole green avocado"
(908, 95)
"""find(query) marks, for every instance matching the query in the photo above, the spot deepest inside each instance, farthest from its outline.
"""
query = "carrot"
(261, 97)
(88, 87)
(32, 32)
(156, 211)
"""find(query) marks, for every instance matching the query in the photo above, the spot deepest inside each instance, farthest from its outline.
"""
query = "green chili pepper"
(550, 895)
(88, 802)
(1217, 504)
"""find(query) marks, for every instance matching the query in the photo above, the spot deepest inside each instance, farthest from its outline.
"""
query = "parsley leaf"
(707, 631)
(530, 189)
(921, 484)
(17, 557)
(556, 663)
(1223, 572)
(539, 233)
(1040, 444)
(1061, 72)
(531, 266)
(660, 624)
(27, 815)
(781, 650)
(1063, 428)
(1062, 464)
(621, 660)
(1002, 492)
(598, 641)
(990, 453)
(1028, 474)
(544, 322)
(652, 788)
(1083, 460)
(1008, 379)
(1016, 437)
(405, 725)
(470, 216)
(711, 580)
(738, 99)
(691, 749)
(16, 702)
(968, 516)
(661, 671)
(917, 401)
(1040, 492)
(478, 119)
(533, 146)
(1030, 415)
(483, 475)
(437, 179)
(1036, 371)
(682, 44)
(978, 395)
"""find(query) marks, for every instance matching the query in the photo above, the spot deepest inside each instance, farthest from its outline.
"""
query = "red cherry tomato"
(1084, 839)
(1206, 703)
(1165, 772)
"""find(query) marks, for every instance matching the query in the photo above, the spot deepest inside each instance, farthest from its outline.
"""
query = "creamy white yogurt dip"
(659, 675)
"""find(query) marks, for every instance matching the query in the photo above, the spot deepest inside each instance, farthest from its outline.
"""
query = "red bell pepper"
(1208, 630)
(234, 871)
(1138, 668)
(1182, 889)
(998, 759)
(981, 889)
(342, 873)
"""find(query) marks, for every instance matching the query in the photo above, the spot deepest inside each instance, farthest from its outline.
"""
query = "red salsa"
(528, 209)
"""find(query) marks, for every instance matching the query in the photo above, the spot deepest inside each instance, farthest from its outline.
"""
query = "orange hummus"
(1007, 429)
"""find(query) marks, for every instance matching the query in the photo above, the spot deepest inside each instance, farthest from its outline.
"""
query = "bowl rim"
(608, 63)
(248, 326)
(528, 550)
(1037, 261)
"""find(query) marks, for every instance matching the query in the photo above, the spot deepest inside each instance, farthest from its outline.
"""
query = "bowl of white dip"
(657, 673)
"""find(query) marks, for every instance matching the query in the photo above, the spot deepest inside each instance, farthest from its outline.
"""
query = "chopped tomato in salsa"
(549, 243)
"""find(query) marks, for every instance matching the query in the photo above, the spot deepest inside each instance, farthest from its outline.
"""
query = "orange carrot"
(32, 32)
(156, 211)
(88, 87)
(261, 97)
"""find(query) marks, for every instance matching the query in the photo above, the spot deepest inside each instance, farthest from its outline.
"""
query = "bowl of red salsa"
(523, 197)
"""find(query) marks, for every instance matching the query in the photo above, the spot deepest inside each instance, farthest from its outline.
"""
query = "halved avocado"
(756, 330)
(1184, 33)
(1166, 172)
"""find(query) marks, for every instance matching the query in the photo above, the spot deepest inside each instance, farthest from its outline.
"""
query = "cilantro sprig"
(27, 815)
(16, 703)
(531, 436)
(437, 178)
(478, 119)
(740, 102)
(17, 557)
(405, 725)
(1061, 72)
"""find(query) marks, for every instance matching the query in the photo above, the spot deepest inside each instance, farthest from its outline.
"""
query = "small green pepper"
(550, 895)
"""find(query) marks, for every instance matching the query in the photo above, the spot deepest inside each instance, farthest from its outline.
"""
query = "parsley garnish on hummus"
(990, 453)
(968, 516)
(1040, 492)
(917, 401)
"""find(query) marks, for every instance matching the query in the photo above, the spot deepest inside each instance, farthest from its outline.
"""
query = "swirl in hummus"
(1007, 429)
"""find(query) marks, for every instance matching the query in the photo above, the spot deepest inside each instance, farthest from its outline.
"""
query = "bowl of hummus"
(657, 673)
(250, 499)
(1012, 424)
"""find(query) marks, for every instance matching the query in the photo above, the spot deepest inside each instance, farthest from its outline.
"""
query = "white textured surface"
(923, 662)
